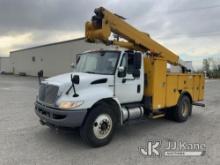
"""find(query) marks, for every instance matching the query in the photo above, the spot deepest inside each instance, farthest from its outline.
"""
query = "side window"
(124, 60)
(128, 62)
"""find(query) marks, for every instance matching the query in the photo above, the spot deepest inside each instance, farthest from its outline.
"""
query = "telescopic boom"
(104, 23)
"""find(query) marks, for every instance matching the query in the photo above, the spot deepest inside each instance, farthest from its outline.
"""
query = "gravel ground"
(24, 141)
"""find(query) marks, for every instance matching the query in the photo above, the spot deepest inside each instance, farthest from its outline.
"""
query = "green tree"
(206, 65)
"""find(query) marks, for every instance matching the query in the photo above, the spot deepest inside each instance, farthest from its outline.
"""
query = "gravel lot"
(24, 141)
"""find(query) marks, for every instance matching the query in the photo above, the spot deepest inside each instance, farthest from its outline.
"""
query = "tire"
(99, 126)
(183, 109)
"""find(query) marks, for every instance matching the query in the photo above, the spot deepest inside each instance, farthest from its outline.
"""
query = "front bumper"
(60, 118)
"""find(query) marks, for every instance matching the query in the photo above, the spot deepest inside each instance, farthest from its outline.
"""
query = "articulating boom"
(104, 23)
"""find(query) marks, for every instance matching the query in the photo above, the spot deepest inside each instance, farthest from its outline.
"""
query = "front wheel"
(99, 126)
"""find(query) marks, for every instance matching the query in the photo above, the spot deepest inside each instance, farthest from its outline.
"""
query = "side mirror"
(40, 75)
(75, 79)
(121, 71)
(137, 60)
(136, 73)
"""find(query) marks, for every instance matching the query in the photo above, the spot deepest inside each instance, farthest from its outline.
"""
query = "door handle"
(138, 88)
(127, 79)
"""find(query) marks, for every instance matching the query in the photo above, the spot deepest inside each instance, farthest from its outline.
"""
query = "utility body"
(112, 87)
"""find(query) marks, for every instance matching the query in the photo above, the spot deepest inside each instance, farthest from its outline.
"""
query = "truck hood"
(87, 80)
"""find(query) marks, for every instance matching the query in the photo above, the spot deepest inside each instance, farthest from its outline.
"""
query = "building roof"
(50, 44)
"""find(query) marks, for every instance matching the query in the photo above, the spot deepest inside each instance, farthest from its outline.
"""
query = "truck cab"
(104, 82)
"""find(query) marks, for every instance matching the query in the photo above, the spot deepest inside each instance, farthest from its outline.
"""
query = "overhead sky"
(190, 28)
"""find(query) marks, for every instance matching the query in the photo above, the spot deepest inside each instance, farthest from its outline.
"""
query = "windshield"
(103, 62)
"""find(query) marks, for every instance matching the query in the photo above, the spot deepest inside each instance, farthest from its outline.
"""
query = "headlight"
(69, 104)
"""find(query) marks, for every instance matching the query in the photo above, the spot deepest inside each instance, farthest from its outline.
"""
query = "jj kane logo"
(151, 149)
(154, 148)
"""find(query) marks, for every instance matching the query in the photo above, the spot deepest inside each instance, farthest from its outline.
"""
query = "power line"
(192, 35)
(194, 9)
(190, 9)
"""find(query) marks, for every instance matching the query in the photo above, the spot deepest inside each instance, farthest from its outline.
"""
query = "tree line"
(211, 67)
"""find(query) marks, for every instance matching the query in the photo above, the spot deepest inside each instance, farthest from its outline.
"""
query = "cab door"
(129, 78)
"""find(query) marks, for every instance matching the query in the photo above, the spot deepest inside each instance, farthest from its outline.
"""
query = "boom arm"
(105, 22)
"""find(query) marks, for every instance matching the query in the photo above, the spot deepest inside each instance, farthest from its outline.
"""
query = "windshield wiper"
(99, 73)
(91, 72)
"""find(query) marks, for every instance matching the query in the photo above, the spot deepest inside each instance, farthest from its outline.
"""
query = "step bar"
(198, 104)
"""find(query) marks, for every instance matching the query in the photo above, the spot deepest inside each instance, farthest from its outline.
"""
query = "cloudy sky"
(191, 28)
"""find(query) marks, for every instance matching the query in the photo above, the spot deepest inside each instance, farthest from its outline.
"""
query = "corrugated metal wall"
(53, 59)
(5, 65)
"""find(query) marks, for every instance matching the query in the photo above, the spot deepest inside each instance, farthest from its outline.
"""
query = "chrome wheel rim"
(185, 109)
(102, 126)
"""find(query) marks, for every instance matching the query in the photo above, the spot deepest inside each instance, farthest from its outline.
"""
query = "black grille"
(48, 93)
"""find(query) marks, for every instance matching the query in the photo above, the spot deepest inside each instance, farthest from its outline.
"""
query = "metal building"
(5, 65)
(53, 59)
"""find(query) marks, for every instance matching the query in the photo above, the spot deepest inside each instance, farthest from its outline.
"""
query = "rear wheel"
(99, 126)
(183, 109)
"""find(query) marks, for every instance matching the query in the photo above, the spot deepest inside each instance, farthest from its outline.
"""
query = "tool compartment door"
(171, 90)
(159, 84)
(196, 84)
(201, 87)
